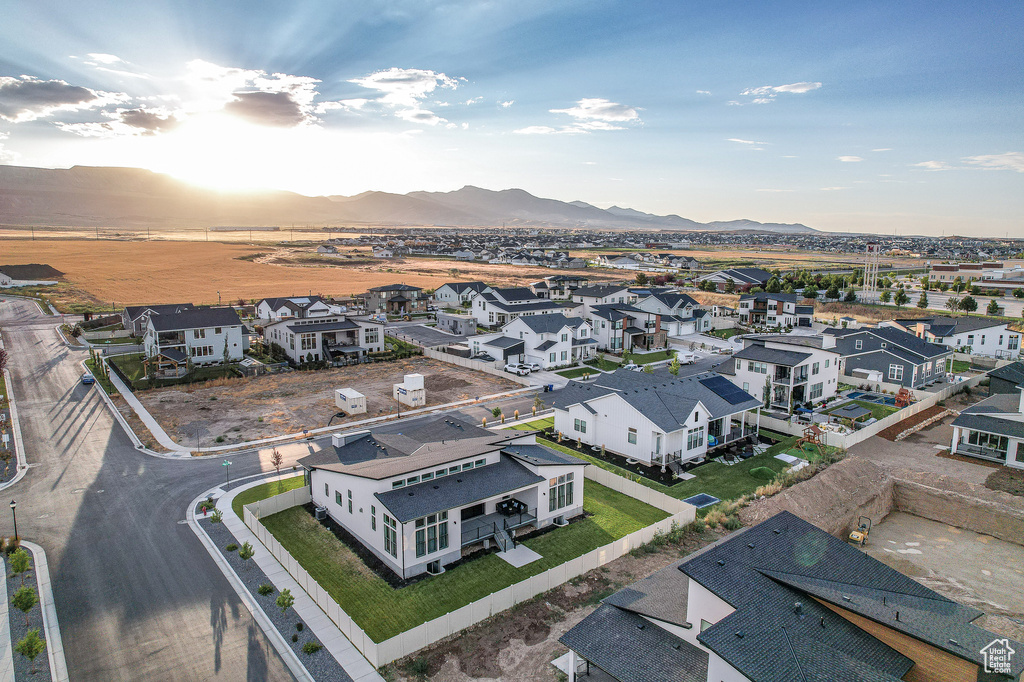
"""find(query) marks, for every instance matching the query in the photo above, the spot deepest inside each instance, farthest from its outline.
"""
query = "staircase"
(503, 539)
(675, 467)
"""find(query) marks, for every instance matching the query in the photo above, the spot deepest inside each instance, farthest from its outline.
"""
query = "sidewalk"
(357, 667)
(143, 414)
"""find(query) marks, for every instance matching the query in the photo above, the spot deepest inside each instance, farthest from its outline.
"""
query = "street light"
(14, 506)
(227, 471)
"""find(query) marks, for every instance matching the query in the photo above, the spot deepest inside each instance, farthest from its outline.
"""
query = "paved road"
(137, 596)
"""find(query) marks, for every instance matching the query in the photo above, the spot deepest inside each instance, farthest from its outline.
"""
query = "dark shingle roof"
(135, 311)
(462, 287)
(948, 326)
(512, 294)
(540, 455)
(503, 342)
(547, 344)
(322, 326)
(1014, 373)
(550, 323)
(599, 290)
(396, 287)
(765, 296)
(195, 318)
(759, 353)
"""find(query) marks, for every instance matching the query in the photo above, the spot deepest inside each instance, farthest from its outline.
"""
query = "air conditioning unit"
(320, 513)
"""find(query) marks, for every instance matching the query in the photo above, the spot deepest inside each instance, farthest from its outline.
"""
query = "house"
(460, 325)
(655, 420)
(899, 356)
(327, 249)
(457, 293)
(624, 327)
(621, 262)
(5, 279)
(992, 429)
(758, 607)
(383, 253)
(602, 294)
(551, 340)
(982, 336)
(464, 255)
(422, 494)
(785, 371)
(204, 336)
(743, 279)
(135, 317)
(1006, 379)
(563, 286)
(396, 299)
(496, 308)
(336, 339)
(679, 312)
(775, 310)
(276, 309)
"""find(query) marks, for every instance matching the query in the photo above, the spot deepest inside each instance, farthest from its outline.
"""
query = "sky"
(893, 117)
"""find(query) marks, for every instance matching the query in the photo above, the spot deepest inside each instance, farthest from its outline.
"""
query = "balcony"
(782, 374)
(480, 528)
(800, 377)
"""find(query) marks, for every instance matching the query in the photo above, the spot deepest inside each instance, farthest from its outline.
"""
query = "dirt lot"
(247, 409)
(519, 645)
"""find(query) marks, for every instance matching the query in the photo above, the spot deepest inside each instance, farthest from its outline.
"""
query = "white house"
(623, 327)
(602, 294)
(551, 340)
(680, 314)
(420, 494)
(457, 293)
(203, 335)
(276, 309)
(973, 335)
(992, 429)
(795, 369)
(653, 419)
(775, 310)
(337, 339)
(498, 307)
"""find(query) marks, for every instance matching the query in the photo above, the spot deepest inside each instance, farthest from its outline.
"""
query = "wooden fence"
(414, 639)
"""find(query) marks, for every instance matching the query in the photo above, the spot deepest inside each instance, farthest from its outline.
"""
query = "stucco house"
(135, 317)
(421, 494)
(396, 299)
(337, 339)
(204, 336)
(457, 293)
(496, 308)
(552, 340)
(276, 309)
(793, 369)
(982, 336)
(992, 430)
(771, 310)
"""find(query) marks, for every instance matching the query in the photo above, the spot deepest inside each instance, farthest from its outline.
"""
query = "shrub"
(231, 547)
(698, 526)
(769, 489)
(295, 638)
(311, 647)
(715, 517)
(265, 589)
(217, 516)
(419, 667)
(219, 439)
(733, 523)
(763, 473)
(299, 626)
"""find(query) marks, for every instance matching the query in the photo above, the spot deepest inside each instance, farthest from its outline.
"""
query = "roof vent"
(676, 646)
(798, 607)
(411, 494)
(641, 626)
(436, 487)
(458, 480)
(823, 621)
(954, 642)
(750, 545)
(721, 562)
(739, 633)
(777, 531)
(847, 597)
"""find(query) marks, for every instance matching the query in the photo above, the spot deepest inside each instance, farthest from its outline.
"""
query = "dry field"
(139, 272)
(247, 409)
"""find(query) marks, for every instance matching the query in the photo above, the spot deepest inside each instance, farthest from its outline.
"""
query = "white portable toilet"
(350, 401)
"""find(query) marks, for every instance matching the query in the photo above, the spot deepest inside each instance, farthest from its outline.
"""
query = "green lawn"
(123, 340)
(537, 424)
(648, 358)
(383, 612)
(263, 491)
(131, 365)
(726, 333)
(103, 381)
(961, 366)
(601, 363)
(877, 411)
(724, 482)
(576, 372)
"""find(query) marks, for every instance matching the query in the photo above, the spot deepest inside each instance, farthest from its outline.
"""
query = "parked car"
(88, 379)
(686, 358)
(518, 369)
(532, 366)
(632, 367)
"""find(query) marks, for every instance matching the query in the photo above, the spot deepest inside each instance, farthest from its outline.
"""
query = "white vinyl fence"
(405, 643)
(485, 367)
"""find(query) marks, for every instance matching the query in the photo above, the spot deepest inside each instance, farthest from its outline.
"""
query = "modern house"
(785, 371)
(602, 294)
(558, 286)
(1006, 379)
(336, 339)
(421, 494)
(782, 600)
(135, 317)
(972, 335)
(899, 356)
(775, 310)
(496, 308)
(743, 279)
(457, 293)
(680, 314)
(204, 336)
(396, 299)
(551, 340)
(655, 420)
(992, 429)
(276, 309)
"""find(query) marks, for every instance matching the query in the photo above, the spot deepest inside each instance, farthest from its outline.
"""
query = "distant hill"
(133, 197)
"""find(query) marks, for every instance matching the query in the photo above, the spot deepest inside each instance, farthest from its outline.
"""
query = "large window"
(560, 492)
(758, 367)
(198, 333)
(307, 341)
(372, 335)
(695, 438)
(390, 536)
(816, 391)
(431, 533)
(988, 440)
(896, 372)
(579, 425)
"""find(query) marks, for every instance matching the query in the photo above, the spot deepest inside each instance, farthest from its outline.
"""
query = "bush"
(698, 526)
(419, 667)
(299, 626)
(219, 439)
(232, 547)
(265, 589)
(733, 523)
(295, 638)
(763, 473)
(311, 647)
(217, 516)
(715, 517)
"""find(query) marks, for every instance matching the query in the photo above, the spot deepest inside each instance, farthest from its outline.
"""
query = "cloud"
(742, 141)
(1013, 161)
(105, 58)
(773, 190)
(932, 165)
(506, 105)
(125, 122)
(6, 155)
(356, 104)
(473, 100)
(405, 89)
(833, 189)
(420, 116)
(105, 62)
(278, 109)
(545, 130)
(27, 98)
(765, 94)
(148, 120)
(589, 114)
(849, 159)
(882, 149)
(703, 92)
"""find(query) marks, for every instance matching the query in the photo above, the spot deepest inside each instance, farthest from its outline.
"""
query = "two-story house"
(419, 493)
(982, 336)
(775, 310)
(898, 356)
(992, 430)
(552, 340)
(456, 293)
(784, 371)
(653, 419)
(680, 314)
(624, 327)
(337, 339)
(204, 336)
(558, 286)
(276, 309)
(496, 308)
(134, 318)
(743, 279)
(396, 299)
(602, 294)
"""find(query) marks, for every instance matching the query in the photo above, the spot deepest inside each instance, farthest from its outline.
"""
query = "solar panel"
(726, 390)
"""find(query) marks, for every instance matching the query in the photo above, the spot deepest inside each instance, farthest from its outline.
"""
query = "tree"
(773, 286)
(926, 283)
(810, 292)
(766, 394)
(24, 600)
(923, 301)
(673, 367)
(969, 304)
(285, 600)
(953, 303)
(31, 646)
(647, 369)
(641, 278)
(276, 459)
(886, 296)
(496, 412)
(227, 353)
(901, 298)
(20, 563)
(245, 552)
(993, 307)
(975, 290)
(832, 293)
(851, 296)
(730, 286)
(1017, 293)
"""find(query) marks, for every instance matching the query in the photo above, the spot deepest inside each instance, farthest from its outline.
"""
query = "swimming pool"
(873, 398)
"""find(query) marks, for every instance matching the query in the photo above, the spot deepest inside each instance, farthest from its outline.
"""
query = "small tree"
(1017, 293)
(285, 600)
(648, 369)
(24, 600)
(993, 307)
(851, 296)
(773, 286)
(923, 301)
(245, 552)
(276, 460)
(3, 359)
(969, 304)
(832, 293)
(730, 286)
(673, 367)
(901, 298)
(20, 563)
(496, 412)
(953, 303)
(31, 646)
(227, 353)
(886, 296)
(810, 292)
(641, 278)
(766, 394)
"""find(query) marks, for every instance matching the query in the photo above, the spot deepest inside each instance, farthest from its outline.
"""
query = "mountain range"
(134, 197)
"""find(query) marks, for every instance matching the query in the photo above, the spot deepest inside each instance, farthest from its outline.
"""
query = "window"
(827, 361)
(337, 497)
(565, 337)
(815, 368)
(758, 367)
(858, 344)
(467, 465)
(390, 536)
(565, 355)
(412, 480)
(631, 436)
(373, 517)
(579, 425)
(695, 438)
(349, 501)
(983, 339)
(927, 368)
(307, 341)
(202, 351)
(427, 476)
(1013, 343)
(746, 387)
(896, 372)
(372, 335)
(327, 491)
(440, 472)
(704, 624)
(398, 484)
(970, 339)
(454, 470)
(431, 533)
(560, 492)
(217, 330)
(198, 333)
(480, 462)
(816, 391)
(552, 356)
(988, 440)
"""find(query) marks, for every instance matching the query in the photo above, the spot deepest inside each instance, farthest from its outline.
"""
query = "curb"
(54, 644)
(19, 445)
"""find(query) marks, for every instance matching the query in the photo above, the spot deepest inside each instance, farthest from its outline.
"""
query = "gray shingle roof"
(948, 326)
(196, 318)
(547, 344)
(540, 455)
(136, 311)
(1014, 373)
(759, 353)
(503, 342)
(457, 490)
(550, 323)
(516, 294)
(599, 290)
(322, 326)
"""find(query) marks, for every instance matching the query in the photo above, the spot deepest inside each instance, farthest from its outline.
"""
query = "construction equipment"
(860, 536)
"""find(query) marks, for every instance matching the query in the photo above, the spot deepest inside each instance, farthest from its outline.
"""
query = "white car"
(686, 358)
(532, 366)
(632, 367)
(518, 369)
